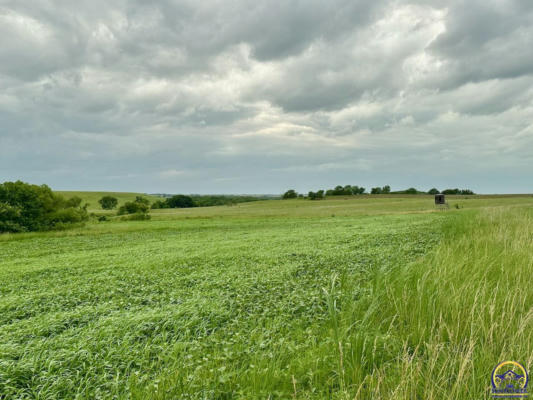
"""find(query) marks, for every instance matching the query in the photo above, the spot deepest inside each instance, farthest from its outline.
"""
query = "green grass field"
(373, 297)
(92, 198)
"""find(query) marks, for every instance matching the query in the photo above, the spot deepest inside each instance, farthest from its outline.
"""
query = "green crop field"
(370, 297)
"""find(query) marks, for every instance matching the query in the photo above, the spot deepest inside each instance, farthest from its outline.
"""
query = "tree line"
(349, 190)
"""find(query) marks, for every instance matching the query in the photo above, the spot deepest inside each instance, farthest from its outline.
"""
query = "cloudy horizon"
(259, 97)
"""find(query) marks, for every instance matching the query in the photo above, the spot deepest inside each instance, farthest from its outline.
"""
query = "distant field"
(370, 297)
(92, 197)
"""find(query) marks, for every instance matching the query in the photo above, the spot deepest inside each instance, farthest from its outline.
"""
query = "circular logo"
(509, 379)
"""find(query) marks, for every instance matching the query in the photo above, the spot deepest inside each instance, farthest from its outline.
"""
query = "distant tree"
(180, 201)
(338, 191)
(290, 194)
(385, 189)
(467, 191)
(451, 191)
(316, 195)
(108, 202)
(300, 195)
(433, 191)
(142, 200)
(159, 204)
(375, 190)
(329, 192)
(411, 191)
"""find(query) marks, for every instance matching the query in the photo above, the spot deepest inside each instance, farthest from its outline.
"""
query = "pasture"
(370, 297)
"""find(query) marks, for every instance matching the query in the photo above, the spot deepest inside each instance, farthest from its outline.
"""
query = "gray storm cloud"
(256, 97)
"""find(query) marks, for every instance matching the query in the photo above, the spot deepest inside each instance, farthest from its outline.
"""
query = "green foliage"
(138, 216)
(411, 191)
(347, 190)
(221, 200)
(133, 207)
(375, 190)
(158, 204)
(316, 195)
(433, 191)
(142, 200)
(458, 191)
(180, 201)
(25, 207)
(290, 194)
(108, 202)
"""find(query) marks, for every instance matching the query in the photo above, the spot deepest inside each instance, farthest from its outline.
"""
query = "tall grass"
(436, 329)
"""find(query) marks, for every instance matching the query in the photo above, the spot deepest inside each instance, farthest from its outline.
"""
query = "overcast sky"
(262, 96)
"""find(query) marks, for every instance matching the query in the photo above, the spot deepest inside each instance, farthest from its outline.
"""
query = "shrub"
(139, 216)
(108, 202)
(132, 207)
(159, 204)
(142, 200)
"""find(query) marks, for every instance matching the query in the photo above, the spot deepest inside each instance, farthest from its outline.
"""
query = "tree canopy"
(25, 207)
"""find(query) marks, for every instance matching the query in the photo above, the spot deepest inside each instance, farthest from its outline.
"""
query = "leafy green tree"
(290, 194)
(411, 191)
(108, 202)
(142, 200)
(25, 207)
(385, 189)
(375, 190)
(451, 191)
(180, 201)
(433, 191)
(159, 204)
(132, 207)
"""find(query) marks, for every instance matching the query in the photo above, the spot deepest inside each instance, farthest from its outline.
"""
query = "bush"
(159, 204)
(132, 207)
(433, 191)
(139, 216)
(142, 200)
(108, 202)
(25, 207)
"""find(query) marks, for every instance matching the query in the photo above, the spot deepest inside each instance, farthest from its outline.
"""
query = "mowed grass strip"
(194, 308)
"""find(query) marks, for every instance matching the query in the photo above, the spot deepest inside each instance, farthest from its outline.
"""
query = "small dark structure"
(440, 199)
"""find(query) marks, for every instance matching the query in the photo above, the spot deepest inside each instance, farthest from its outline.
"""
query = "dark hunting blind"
(440, 199)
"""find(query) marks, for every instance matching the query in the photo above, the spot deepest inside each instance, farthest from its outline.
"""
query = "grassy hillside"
(92, 197)
(381, 298)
